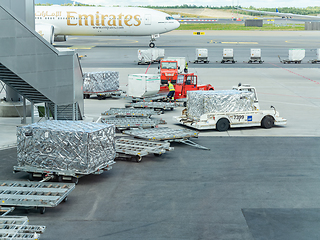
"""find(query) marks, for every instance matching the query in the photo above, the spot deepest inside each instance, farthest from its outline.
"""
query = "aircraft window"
(169, 18)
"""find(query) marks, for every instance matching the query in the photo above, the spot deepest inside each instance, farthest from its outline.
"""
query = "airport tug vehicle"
(230, 111)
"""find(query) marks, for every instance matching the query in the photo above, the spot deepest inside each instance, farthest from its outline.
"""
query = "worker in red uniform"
(171, 91)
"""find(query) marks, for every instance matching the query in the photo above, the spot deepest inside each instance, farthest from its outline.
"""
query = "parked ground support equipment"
(143, 85)
(318, 57)
(161, 106)
(122, 123)
(66, 150)
(17, 227)
(38, 195)
(150, 55)
(135, 149)
(154, 98)
(222, 110)
(130, 112)
(102, 84)
(295, 56)
(227, 56)
(255, 56)
(167, 134)
(201, 55)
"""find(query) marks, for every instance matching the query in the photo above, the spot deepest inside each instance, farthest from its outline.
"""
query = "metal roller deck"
(167, 134)
(132, 122)
(136, 149)
(33, 194)
(155, 105)
(16, 227)
(130, 112)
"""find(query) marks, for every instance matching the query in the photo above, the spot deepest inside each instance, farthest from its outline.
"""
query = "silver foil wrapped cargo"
(82, 147)
(99, 82)
(201, 102)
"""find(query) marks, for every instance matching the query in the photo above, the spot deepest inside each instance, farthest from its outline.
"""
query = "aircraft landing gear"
(153, 38)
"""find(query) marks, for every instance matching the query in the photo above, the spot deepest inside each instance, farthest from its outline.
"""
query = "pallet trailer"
(103, 95)
(130, 112)
(167, 134)
(122, 123)
(136, 149)
(17, 227)
(162, 106)
(39, 195)
(284, 61)
(60, 175)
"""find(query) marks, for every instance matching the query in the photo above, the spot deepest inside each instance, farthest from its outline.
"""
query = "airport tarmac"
(253, 184)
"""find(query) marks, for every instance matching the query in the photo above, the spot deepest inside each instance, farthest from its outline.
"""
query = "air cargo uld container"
(150, 55)
(296, 54)
(143, 85)
(201, 55)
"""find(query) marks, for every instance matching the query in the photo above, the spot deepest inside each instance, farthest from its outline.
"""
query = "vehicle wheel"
(65, 199)
(75, 180)
(152, 45)
(267, 122)
(223, 125)
(222, 61)
(42, 210)
(99, 97)
(185, 104)
(137, 158)
(60, 178)
(233, 62)
(157, 154)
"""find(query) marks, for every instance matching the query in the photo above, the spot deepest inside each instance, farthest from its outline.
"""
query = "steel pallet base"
(130, 112)
(136, 149)
(33, 194)
(132, 122)
(16, 227)
(155, 105)
(167, 134)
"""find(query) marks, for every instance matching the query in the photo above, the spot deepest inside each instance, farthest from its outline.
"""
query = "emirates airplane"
(54, 23)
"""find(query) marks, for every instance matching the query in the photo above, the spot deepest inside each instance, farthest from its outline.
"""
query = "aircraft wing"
(280, 14)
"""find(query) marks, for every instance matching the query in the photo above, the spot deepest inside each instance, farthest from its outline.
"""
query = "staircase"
(38, 71)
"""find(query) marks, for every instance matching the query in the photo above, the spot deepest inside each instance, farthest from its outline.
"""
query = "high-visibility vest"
(171, 87)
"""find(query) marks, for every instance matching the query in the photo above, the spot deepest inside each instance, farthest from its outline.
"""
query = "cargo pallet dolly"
(314, 61)
(122, 123)
(136, 149)
(161, 106)
(157, 98)
(37, 195)
(167, 134)
(103, 95)
(60, 175)
(5, 210)
(284, 61)
(130, 112)
(17, 227)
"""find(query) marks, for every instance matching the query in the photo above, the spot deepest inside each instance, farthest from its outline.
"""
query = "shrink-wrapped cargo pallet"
(99, 82)
(66, 145)
(201, 102)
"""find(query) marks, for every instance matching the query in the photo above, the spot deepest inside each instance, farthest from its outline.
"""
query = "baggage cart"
(255, 56)
(201, 55)
(134, 149)
(227, 56)
(130, 112)
(167, 134)
(150, 55)
(122, 123)
(318, 57)
(39, 195)
(17, 227)
(295, 56)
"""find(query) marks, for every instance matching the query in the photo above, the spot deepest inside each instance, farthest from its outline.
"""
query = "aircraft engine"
(60, 38)
(46, 31)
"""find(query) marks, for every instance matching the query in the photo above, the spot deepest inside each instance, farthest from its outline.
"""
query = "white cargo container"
(296, 54)
(143, 85)
(181, 62)
(201, 55)
(227, 55)
(150, 55)
(255, 53)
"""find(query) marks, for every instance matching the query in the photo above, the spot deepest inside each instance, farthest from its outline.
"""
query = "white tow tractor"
(228, 110)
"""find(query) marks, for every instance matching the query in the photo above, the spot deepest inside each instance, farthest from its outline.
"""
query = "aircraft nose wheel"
(152, 45)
